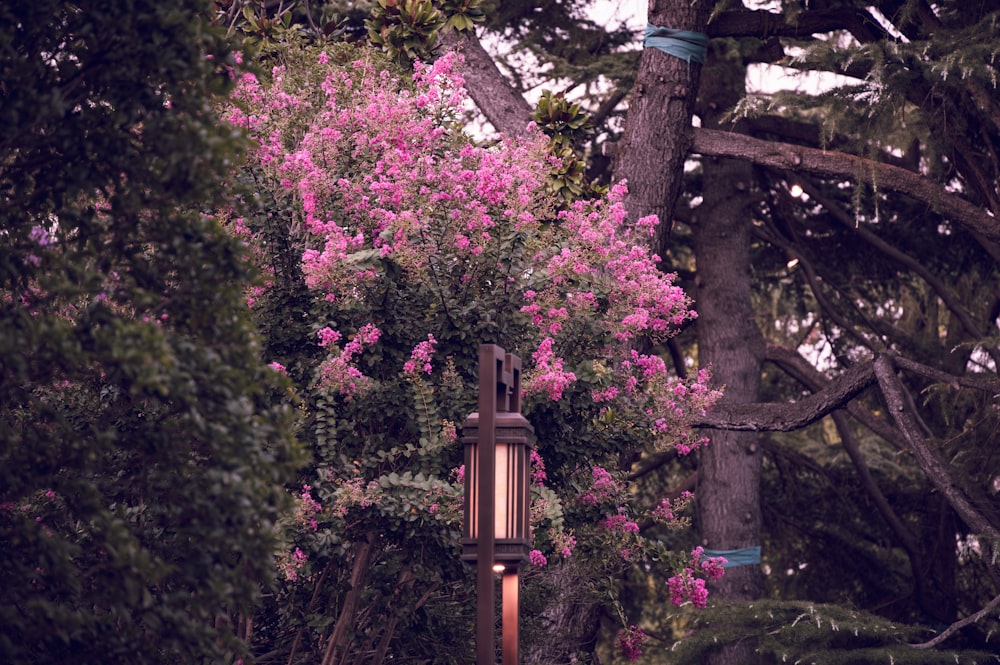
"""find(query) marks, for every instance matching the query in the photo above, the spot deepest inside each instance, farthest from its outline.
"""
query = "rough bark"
(728, 492)
(502, 105)
(656, 141)
(713, 142)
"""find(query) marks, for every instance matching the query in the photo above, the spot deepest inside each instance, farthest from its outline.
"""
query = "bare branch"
(502, 105)
(716, 143)
(958, 625)
(935, 468)
(786, 417)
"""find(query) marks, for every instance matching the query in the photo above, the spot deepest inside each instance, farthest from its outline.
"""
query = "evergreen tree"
(141, 452)
(871, 263)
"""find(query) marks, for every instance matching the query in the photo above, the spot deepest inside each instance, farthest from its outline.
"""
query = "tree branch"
(786, 417)
(762, 23)
(716, 143)
(502, 105)
(935, 468)
(958, 625)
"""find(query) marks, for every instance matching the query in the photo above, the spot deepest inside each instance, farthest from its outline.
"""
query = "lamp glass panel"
(472, 490)
(502, 509)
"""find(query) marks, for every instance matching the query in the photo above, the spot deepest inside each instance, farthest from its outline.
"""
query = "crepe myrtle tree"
(393, 246)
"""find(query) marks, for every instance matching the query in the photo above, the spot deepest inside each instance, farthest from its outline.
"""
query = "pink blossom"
(538, 476)
(420, 358)
(630, 641)
(620, 522)
(684, 587)
(537, 558)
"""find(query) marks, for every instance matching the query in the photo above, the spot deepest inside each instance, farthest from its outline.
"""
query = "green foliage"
(409, 29)
(800, 632)
(141, 453)
(568, 127)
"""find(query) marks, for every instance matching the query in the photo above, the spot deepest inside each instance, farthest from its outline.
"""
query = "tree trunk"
(728, 494)
(658, 126)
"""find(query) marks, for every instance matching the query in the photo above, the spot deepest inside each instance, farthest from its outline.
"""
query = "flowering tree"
(142, 453)
(395, 245)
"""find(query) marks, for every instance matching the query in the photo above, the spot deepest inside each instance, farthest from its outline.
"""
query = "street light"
(497, 474)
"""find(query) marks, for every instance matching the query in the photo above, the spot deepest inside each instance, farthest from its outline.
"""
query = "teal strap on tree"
(747, 556)
(683, 44)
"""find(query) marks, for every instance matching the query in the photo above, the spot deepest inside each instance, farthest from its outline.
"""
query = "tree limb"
(762, 23)
(935, 468)
(502, 105)
(786, 417)
(958, 625)
(716, 143)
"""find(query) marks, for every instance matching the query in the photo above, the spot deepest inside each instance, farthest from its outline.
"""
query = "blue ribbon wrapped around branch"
(684, 44)
(746, 556)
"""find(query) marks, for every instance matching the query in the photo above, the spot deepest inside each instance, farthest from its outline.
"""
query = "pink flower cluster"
(420, 358)
(308, 509)
(630, 641)
(666, 512)
(337, 373)
(290, 563)
(354, 492)
(620, 522)
(538, 476)
(537, 558)
(685, 587)
(714, 567)
(548, 375)
(603, 488)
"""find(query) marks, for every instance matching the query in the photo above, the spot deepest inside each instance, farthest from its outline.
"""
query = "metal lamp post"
(497, 461)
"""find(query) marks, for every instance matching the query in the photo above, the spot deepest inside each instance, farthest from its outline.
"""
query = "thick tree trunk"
(728, 493)
(652, 151)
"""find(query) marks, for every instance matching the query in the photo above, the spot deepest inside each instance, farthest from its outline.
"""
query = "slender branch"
(959, 625)
(716, 143)
(935, 468)
(946, 294)
(988, 385)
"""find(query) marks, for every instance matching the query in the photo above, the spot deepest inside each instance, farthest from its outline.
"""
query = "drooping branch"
(935, 468)
(959, 625)
(786, 417)
(716, 143)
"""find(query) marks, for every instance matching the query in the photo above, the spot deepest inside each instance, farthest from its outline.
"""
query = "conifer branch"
(717, 143)
(958, 625)
(935, 468)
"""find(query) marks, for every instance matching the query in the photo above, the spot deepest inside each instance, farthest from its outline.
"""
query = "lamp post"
(497, 533)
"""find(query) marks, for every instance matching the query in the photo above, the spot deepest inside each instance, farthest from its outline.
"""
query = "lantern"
(497, 533)
(509, 487)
